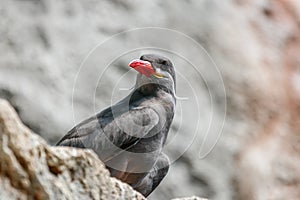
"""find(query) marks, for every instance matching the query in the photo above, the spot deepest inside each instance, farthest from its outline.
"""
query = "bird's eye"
(163, 62)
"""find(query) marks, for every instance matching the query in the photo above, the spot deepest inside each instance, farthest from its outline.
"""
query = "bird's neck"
(166, 96)
(148, 89)
(153, 89)
(168, 101)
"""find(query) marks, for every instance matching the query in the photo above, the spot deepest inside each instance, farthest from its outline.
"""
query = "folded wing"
(108, 134)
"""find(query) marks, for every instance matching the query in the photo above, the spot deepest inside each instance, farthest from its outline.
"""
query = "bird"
(129, 136)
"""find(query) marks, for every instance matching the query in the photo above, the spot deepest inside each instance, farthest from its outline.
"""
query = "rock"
(190, 198)
(31, 169)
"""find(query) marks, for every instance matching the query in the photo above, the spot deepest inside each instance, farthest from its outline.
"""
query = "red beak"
(142, 66)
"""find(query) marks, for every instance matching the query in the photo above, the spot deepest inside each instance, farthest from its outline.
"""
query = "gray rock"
(190, 198)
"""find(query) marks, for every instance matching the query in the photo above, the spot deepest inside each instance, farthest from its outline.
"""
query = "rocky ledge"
(31, 169)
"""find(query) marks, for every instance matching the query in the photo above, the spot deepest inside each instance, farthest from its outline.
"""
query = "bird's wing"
(137, 122)
(83, 129)
(106, 134)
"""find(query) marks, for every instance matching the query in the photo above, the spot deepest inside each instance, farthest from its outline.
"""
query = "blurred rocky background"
(255, 44)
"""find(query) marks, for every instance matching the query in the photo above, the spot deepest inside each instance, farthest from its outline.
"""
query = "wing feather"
(107, 135)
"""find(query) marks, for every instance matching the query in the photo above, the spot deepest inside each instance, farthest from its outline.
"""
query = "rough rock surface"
(30, 169)
(255, 44)
(190, 198)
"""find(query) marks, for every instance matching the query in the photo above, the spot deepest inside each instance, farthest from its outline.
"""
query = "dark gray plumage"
(129, 136)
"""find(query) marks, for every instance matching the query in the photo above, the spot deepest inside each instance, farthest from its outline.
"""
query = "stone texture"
(190, 198)
(30, 169)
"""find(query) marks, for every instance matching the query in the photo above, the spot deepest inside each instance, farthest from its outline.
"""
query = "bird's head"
(155, 72)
